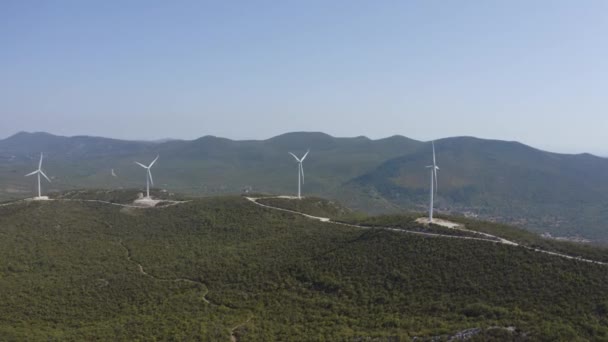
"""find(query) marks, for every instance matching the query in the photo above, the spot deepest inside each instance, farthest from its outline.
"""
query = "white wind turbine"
(39, 172)
(434, 168)
(300, 172)
(149, 179)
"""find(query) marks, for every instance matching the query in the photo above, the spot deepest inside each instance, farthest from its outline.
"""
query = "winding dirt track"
(143, 271)
(169, 203)
(140, 267)
(12, 203)
(489, 237)
(233, 338)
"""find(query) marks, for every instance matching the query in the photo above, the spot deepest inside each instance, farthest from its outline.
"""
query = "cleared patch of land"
(439, 222)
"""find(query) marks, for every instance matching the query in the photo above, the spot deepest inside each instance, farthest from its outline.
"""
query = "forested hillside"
(214, 268)
(503, 181)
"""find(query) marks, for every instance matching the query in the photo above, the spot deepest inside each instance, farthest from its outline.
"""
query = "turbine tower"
(300, 172)
(149, 179)
(39, 172)
(434, 168)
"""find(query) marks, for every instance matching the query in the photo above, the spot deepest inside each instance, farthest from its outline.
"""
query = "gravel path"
(490, 238)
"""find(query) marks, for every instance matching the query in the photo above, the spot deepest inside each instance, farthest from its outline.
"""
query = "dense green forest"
(220, 267)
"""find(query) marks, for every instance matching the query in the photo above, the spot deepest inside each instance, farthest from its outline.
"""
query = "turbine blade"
(434, 163)
(142, 165)
(302, 172)
(304, 157)
(295, 157)
(31, 173)
(150, 175)
(47, 178)
(154, 161)
(40, 162)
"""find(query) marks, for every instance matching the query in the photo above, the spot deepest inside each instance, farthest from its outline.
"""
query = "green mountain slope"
(204, 166)
(566, 195)
(218, 267)
(504, 181)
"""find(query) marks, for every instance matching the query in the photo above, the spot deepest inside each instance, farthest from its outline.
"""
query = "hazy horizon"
(517, 71)
(269, 137)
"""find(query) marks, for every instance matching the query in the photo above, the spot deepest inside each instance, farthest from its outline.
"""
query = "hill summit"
(564, 195)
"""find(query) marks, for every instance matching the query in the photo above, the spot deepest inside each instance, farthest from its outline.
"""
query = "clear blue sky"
(532, 71)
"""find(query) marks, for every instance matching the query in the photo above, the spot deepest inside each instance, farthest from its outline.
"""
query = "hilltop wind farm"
(451, 175)
(158, 233)
(518, 184)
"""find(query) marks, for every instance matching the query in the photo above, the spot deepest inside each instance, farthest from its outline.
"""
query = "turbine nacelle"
(39, 172)
(299, 160)
(151, 164)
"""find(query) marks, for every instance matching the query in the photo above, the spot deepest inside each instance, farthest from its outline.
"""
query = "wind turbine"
(434, 168)
(39, 172)
(300, 171)
(149, 179)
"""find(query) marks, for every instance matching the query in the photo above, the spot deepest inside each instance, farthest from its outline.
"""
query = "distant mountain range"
(566, 195)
